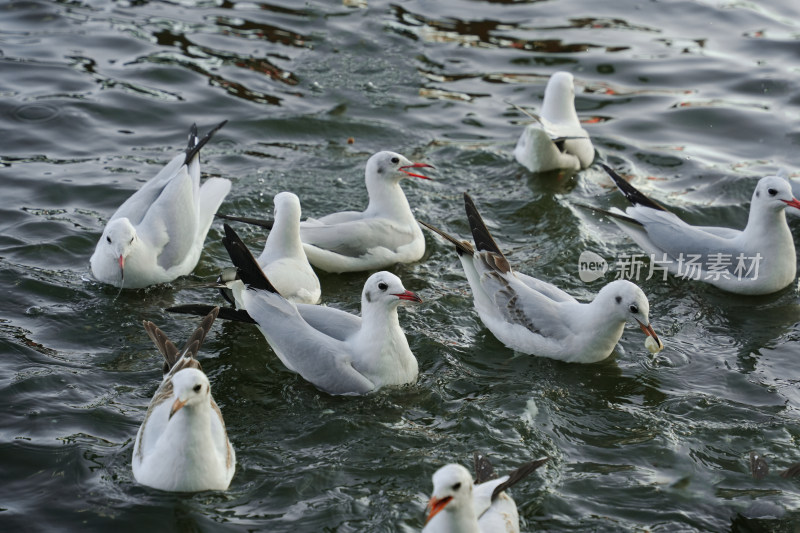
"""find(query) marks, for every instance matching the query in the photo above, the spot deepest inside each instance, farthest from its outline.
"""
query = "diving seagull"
(760, 259)
(381, 236)
(157, 234)
(556, 141)
(182, 444)
(337, 352)
(535, 317)
(458, 505)
(283, 260)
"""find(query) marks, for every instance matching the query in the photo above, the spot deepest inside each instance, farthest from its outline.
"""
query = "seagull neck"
(387, 200)
(192, 425)
(559, 112)
(283, 239)
(462, 519)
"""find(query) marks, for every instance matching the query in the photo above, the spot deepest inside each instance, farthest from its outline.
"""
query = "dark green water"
(700, 97)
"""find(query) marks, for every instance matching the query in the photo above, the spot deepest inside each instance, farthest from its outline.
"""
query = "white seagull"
(556, 141)
(381, 236)
(337, 352)
(535, 317)
(458, 505)
(760, 259)
(182, 444)
(157, 234)
(283, 260)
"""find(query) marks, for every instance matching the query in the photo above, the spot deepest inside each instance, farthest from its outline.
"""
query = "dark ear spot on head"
(368, 296)
(618, 299)
(758, 194)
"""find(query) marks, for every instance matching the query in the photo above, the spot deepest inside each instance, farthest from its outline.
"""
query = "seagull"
(283, 260)
(381, 236)
(760, 259)
(157, 234)
(556, 141)
(535, 317)
(182, 444)
(337, 352)
(458, 505)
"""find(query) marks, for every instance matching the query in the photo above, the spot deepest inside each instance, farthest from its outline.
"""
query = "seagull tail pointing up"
(633, 195)
(484, 241)
(246, 265)
(518, 475)
(194, 145)
(170, 352)
(247, 220)
(462, 247)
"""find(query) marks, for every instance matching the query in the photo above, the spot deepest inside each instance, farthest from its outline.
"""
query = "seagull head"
(190, 387)
(384, 288)
(288, 205)
(452, 491)
(629, 303)
(118, 240)
(559, 99)
(392, 167)
(774, 193)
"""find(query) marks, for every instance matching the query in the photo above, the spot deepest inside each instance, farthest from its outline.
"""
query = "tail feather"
(633, 195)
(462, 247)
(248, 269)
(252, 221)
(194, 147)
(225, 313)
(518, 475)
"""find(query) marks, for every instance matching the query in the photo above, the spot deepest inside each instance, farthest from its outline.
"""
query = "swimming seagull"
(381, 236)
(337, 352)
(157, 234)
(535, 317)
(556, 140)
(458, 505)
(760, 259)
(283, 260)
(182, 444)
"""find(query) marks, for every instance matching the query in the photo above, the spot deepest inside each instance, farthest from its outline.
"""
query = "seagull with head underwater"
(760, 259)
(337, 352)
(556, 141)
(535, 317)
(182, 445)
(458, 505)
(283, 260)
(157, 234)
(384, 234)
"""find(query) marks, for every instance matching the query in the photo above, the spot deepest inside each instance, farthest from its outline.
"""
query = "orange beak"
(409, 296)
(650, 332)
(416, 165)
(435, 505)
(177, 406)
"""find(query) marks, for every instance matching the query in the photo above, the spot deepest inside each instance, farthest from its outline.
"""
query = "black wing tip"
(247, 220)
(461, 247)
(194, 148)
(608, 213)
(224, 313)
(247, 267)
(634, 195)
(484, 471)
(484, 242)
(518, 475)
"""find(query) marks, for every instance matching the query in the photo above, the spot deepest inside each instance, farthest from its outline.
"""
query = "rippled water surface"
(695, 100)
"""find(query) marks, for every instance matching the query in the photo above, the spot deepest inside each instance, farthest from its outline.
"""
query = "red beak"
(409, 296)
(436, 505)
(793, 203)
(416, 165)
(650, 332)
(121, 268)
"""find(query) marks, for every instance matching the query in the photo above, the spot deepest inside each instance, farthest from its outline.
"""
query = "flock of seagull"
(157, 235)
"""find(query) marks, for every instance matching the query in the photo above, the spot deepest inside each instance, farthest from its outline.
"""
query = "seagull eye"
(457, 486)
(197, 388)
(382, 286)
(772, 192)
(395, 160)
(108, 239)
(131, 241)
(634, 309)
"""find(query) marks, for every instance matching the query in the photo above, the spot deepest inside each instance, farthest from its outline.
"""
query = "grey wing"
(355, 238)
(319, 358)
(545, 288)
(171, 222)
(220, 435)
(137, 205)
(332, 322)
